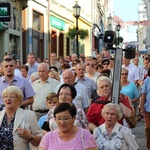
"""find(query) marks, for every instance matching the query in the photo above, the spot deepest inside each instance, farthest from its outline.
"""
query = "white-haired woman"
(111, 134)
(18, 128)
(104, 86)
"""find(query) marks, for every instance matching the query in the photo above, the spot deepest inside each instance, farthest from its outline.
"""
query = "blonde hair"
(51, 96)
(55, 74)
(112, 106)
(14, 90)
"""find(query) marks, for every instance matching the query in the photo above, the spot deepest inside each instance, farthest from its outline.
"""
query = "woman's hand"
(23, 133)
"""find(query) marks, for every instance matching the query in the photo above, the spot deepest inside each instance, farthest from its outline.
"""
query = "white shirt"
(133, 74)
(81, 100)
(41, 90)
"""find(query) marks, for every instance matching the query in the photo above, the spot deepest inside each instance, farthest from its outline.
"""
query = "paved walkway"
(139, 132)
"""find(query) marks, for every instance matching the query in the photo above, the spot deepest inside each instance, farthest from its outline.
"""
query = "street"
(139, 132)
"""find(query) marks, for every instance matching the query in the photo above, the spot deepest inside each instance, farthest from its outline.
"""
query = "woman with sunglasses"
(129, 88)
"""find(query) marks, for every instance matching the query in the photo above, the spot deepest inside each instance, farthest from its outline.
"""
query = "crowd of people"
(65, 103)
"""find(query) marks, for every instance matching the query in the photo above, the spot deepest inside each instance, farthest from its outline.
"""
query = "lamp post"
(110, 19)
(76, 12)
(118, 27)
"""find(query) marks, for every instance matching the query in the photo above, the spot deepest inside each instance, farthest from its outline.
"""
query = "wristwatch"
(32, 137)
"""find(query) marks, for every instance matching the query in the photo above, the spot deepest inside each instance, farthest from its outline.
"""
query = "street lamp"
(76, 12)
(118, 27)
(110, 19)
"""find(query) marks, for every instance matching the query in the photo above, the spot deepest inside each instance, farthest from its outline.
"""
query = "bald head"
(68, 76)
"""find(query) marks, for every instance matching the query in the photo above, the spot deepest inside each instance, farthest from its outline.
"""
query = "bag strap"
(101, 102)
(82, 137)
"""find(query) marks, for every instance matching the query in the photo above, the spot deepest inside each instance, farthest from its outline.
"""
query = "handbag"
(132, 120)
(45, 126)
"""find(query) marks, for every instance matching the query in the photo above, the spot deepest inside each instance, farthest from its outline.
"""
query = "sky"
(127, 11)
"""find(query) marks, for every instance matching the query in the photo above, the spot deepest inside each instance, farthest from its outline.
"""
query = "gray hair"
(44, 64)
(125, 69)
(102, 78)
(112, 106)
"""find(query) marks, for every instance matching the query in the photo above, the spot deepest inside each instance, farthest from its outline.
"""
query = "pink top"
(52, 141)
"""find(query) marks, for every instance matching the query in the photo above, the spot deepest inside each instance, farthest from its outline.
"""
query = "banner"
(137, 23)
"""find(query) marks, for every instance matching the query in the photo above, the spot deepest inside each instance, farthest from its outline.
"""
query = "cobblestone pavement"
(139, 132)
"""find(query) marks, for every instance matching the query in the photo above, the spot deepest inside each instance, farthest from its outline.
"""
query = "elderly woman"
(18, 128)
(104, 89)
(66, 94)
(67, 136)
(129, 88)
(112, 132)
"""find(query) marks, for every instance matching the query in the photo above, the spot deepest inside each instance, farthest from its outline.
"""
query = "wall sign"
(5, 12)
(57, 23)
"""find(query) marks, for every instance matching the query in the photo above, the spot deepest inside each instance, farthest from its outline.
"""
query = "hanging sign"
(5, 12)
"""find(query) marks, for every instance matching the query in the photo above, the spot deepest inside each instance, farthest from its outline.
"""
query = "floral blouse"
(6, 134)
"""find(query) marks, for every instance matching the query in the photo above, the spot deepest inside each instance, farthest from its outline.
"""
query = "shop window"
(36, 21)
(38, 34)
(14, 46)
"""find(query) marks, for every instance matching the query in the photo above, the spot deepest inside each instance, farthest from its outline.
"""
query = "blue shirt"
(88, 83)
(22, 83)
(146, 90)
(42, 120)
(130, 90)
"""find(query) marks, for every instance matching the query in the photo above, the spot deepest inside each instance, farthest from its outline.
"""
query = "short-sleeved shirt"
(41, 90)
(32, 69)
(22, 83)
(52, 141)
(146, 90)
(130, 90)
(88, 83)
(133, 72)
(120, 138)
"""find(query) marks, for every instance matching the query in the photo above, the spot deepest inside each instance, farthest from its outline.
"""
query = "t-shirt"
(82, 140)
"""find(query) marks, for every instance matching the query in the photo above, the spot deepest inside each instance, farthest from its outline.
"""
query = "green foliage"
(83, 33)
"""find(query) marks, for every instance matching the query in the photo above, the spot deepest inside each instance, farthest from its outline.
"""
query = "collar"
(115, 129)
(4, 79)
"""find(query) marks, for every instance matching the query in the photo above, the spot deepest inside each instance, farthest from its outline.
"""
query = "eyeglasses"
(62, 118)
(66, 95)
(11, 97)
(75, 63)
(124, 74)
(105, 64)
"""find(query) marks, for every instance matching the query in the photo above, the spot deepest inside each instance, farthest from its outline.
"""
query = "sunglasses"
(105, 64)
(124, 74)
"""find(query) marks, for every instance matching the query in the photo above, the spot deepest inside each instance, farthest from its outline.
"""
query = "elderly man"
(42, 87)
(82, 99)
(9, 78)
(133, 75)
(87, 82)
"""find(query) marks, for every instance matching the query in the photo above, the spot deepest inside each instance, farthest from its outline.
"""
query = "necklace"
(10, 116)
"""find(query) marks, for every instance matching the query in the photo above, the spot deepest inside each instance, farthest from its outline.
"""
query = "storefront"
(11, 32)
